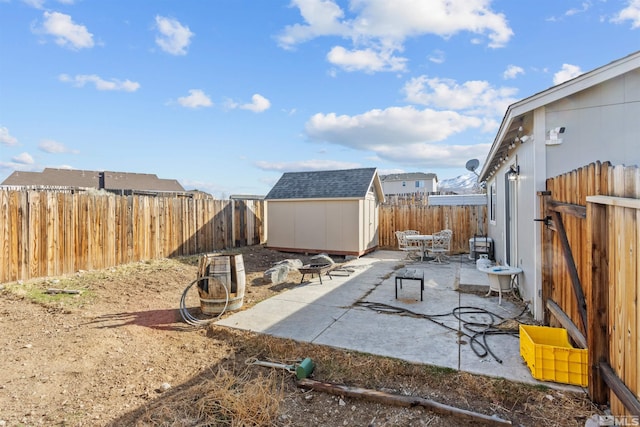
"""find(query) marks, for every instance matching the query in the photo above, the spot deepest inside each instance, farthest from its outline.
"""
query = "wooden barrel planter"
(223, 283)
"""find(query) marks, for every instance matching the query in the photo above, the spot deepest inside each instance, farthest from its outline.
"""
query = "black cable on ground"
(188, 317)
(478, 331)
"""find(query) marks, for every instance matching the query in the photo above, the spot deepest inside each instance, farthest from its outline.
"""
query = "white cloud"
(512, 72)
(368, 60)
(322, 18)
(437, 57)
(66, 32)
(584, 6)
(405, 134)
(174, 37)
(382, 26)
(23, 159)
(258, 104)
(567, 72)
(475, 97)
(394, 126)
(114, 84)
(629, 13)
(51, 146)
(305, 165)
(196, 99)
(39, 4)
(36, 4)
(6, 138)
(433, 155)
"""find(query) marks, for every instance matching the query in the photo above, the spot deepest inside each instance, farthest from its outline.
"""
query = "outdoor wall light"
(513, 173)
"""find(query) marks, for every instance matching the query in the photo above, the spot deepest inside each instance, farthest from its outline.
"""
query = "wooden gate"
(591, 274)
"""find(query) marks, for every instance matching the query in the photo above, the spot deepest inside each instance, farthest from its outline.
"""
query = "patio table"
(423, 239)
(410, 274)
(500, 279)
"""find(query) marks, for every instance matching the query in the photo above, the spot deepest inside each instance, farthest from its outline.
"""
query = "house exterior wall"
(523, 247)
(331, 226)
(601, 123)
(458, 200)
(396, 187)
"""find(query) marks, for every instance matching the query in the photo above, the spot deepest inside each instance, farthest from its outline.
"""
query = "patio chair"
(405, 245)
(440, 246)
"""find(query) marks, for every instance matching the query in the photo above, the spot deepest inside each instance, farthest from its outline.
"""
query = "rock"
(163, 387)
(322, 259)
(594, 421)
(277, 274)
(291, 262)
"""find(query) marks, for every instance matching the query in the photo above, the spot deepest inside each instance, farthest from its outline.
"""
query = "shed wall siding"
(332, 226)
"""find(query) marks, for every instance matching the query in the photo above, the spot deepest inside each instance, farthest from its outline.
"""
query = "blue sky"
(226, 95)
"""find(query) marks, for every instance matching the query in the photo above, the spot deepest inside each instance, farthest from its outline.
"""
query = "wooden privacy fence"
(591, 274)
(464, 221)
(55, 233)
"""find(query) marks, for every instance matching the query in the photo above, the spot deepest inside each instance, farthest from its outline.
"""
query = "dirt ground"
(119, 354)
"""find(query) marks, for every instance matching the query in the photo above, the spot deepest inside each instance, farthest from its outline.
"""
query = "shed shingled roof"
(348, 183)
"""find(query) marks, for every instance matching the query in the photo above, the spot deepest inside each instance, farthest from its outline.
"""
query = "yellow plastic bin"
(551, 357)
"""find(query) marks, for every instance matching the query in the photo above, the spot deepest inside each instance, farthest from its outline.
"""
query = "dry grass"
(238, 394)
(226, 399)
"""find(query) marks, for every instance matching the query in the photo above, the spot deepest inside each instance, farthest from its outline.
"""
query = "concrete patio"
(360, 312)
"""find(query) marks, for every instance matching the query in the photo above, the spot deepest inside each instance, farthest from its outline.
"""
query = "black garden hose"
(188, 317)
(478, 332)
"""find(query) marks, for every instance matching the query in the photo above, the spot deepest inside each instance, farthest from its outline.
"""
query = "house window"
(493, 202)
(404, 183)
(419, 184)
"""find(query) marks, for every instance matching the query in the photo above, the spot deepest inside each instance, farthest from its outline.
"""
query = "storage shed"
(334, 212)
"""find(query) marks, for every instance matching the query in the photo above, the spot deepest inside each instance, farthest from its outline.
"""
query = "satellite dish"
(472, 165)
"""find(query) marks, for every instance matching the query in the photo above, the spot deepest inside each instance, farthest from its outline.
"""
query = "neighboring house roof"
(411, 176)
(93, 179)
(348, 183)
(521, 113)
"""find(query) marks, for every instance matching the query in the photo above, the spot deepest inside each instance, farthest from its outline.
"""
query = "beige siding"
(333, 226)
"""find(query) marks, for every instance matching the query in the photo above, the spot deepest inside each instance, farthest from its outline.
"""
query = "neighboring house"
(409, 183)
(458, 200)
(114, 182)
(334, 212)
(593, 117)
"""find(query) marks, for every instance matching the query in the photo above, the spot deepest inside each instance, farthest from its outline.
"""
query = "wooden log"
(622, 392)
(567, 323)
(399, 400)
